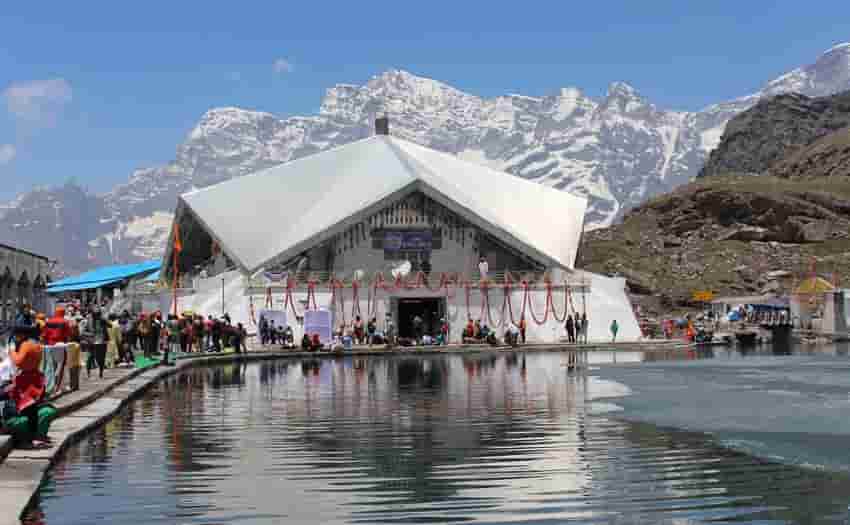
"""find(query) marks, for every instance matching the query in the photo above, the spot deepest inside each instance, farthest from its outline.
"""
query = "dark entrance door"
(429, 309)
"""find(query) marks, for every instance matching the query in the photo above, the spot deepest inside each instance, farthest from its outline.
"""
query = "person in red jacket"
(26, 392)
(57, 328)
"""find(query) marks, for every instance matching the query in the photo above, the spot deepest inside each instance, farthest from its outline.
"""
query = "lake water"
(488, 438)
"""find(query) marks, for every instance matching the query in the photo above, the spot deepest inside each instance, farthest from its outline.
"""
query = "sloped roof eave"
(424, 187)
(489, 227)
(477, 217)
(323, 235)
(183, 208)
(395, 163)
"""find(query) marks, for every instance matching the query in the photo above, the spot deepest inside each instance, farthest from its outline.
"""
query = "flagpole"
(174, 285)
(176, 248)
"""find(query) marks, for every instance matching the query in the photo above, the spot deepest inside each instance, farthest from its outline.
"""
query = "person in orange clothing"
(41, 323)
(57, 329)
(29, 418)
(690, 333)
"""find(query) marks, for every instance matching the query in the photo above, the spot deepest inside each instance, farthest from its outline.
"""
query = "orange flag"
(178, 244)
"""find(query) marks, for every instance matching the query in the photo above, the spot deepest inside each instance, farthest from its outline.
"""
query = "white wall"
(835, 315)
(606, 301)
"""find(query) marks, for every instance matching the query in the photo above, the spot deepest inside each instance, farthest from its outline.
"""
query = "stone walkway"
(21, 471)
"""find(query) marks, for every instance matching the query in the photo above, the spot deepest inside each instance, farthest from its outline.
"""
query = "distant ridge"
(618, 151)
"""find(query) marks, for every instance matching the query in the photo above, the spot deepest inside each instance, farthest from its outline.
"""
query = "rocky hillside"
(774, 195)
(724, 234)
(774, 129)
(828, 156)
(618, 151)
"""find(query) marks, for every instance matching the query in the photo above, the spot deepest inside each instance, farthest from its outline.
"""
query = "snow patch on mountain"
(617, 151)
(141, 237)
(710, 138)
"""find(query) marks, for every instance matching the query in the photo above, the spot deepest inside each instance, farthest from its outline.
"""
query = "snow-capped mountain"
(617, 151)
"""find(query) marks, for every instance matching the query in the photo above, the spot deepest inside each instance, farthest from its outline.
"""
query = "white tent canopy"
(279, 212)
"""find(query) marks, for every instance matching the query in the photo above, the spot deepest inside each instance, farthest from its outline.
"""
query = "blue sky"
(93, 90)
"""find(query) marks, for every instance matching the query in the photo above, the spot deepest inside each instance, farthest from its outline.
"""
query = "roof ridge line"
(291, 161)
(499, 172)
(399, 151)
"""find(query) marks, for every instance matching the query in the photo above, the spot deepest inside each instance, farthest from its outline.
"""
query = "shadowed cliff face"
(784, 127)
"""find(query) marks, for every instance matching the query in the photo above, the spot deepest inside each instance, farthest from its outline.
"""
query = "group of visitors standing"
(576, 328)
(114, 340)
(191, 333)
(109, 341)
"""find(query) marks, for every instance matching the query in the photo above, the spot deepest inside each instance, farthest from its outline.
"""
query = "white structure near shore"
(386, 228)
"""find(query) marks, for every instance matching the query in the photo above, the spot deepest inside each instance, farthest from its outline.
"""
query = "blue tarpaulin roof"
(104, 276)
(152, 278)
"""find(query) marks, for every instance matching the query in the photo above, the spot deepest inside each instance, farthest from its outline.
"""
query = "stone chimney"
(382, 126)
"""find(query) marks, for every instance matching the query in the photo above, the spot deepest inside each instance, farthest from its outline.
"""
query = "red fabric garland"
(288, 300)
(551, 300)
(355, 299)
(466, 289)
(485, 304)
(531, 309)
(311, 296)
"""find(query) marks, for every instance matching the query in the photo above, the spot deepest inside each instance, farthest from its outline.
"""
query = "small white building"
(386, 228)
(836, 312)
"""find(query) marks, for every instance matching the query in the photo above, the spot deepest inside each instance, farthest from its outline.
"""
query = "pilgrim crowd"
(106, 341)
(125, 340)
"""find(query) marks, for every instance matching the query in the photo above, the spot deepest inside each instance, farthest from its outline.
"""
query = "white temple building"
(386, 228)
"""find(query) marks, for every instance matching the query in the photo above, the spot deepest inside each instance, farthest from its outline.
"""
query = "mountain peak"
(617, 152)
(233, 111)
(838, 48)
(570, 92)
(624, 98)
(829, 74)
(622, 90)
(399, 78)
(223, 117)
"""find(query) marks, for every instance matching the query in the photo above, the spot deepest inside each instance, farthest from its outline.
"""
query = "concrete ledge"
(5, 447)
(23, 471)
(19, 480)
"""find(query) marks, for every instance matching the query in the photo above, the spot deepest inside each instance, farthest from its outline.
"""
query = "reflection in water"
(491, 438)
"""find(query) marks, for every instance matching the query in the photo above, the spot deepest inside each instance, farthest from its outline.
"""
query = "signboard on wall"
(319, 322)
(704, 296)
(398, 241)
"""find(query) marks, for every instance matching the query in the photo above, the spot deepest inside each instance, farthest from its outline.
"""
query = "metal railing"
(495, 279)
(322, 279)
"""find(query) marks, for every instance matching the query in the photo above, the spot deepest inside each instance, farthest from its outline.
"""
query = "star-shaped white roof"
(282, 211)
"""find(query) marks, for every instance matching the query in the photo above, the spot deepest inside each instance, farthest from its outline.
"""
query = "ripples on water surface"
(493, 438)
